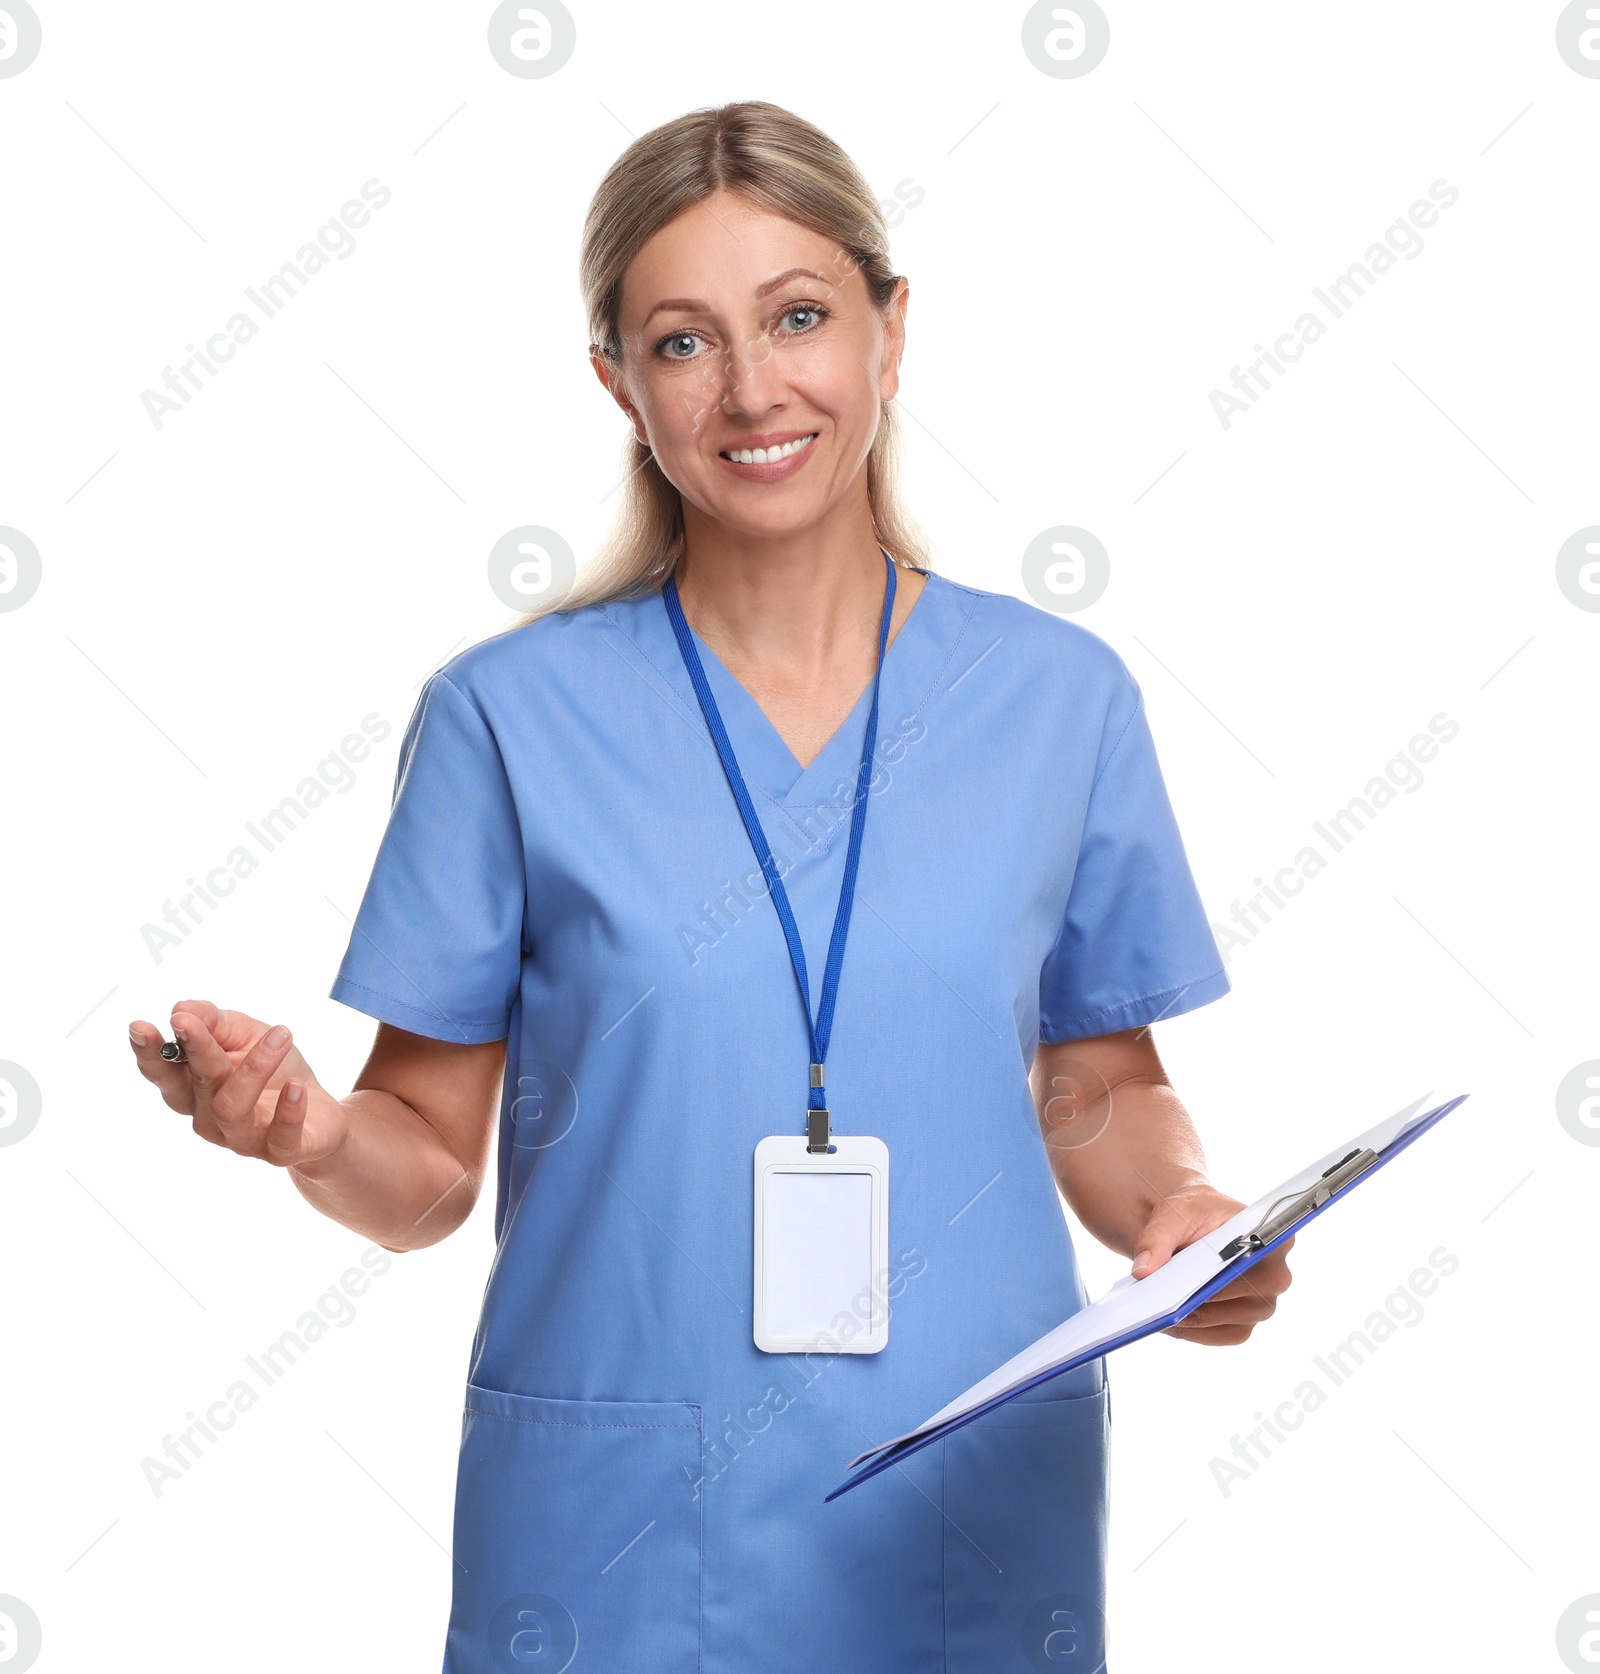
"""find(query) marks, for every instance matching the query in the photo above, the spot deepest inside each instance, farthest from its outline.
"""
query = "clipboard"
(1137, 1308)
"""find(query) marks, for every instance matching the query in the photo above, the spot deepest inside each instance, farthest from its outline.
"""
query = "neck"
(790, 608)
(793, 606)
(795, 620)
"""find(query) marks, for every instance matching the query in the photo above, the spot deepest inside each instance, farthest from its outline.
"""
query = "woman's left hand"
(1235, 1311)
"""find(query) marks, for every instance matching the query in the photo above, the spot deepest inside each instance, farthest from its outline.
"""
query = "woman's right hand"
(243, 1090)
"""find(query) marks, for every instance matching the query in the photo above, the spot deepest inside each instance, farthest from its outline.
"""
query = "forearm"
(1129, 1162)
(1140, 1149)
(392, 1179)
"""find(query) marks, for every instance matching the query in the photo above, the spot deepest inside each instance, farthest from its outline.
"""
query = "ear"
(610, 375)
(894, 340)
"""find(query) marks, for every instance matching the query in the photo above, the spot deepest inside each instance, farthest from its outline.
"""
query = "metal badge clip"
(817, 1125)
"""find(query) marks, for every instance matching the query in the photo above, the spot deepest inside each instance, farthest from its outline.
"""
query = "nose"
(752, 382)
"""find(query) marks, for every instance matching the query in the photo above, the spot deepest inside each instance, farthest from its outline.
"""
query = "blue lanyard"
(822, 1026)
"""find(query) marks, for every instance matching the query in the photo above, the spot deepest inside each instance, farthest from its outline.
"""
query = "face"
(743, 331)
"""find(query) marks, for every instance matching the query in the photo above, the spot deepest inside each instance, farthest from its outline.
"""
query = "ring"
(173, 1052)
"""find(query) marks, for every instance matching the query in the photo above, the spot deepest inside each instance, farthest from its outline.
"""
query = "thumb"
(1163, 1234)
(286, 1134)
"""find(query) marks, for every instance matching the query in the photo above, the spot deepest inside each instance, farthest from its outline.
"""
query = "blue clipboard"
(1233, 1248)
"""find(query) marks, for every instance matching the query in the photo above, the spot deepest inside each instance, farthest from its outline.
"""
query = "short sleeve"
(1135, 944)
(437, 943)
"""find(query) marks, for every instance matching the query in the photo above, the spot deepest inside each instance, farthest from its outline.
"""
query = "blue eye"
(678, 337)
(819, 314)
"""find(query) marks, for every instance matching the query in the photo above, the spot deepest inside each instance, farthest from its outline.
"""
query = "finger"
(1278, 1262)
(285, 1137)
(1239, 1310)
(238, 1098)
(1267, 1280)
(171, 1079)
(233, 1031)
(208, 1065)
(1222, 1336)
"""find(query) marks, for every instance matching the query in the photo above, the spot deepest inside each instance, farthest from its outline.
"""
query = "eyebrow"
(690, 305)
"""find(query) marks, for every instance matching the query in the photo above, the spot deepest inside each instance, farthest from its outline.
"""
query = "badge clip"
(817, 1125)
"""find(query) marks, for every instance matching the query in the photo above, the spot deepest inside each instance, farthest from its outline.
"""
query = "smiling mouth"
(768, 456)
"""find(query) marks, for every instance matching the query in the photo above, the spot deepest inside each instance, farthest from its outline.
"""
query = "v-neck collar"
(764, 757)
(780, 766)
(916, 661)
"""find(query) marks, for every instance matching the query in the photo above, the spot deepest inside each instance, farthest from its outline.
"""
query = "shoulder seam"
(468, 699)
(1138, 705)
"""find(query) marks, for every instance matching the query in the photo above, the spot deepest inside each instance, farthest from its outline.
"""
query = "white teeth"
(765, 456)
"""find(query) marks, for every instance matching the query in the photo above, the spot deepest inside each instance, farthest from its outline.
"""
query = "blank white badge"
(821, 1246)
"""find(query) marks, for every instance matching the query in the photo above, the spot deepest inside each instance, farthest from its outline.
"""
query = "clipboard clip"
(1289, 1211)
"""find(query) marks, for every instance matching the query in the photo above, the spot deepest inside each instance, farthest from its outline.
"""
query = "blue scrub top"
(641, 1488)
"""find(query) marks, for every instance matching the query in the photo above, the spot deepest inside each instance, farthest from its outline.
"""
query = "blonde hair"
(783, 164)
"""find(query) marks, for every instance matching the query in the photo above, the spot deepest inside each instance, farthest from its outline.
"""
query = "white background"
(1374, 543)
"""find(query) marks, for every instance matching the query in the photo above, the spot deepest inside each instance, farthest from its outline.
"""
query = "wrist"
(1180, 1185)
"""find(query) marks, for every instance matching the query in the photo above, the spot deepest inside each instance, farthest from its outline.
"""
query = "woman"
(572, 921)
